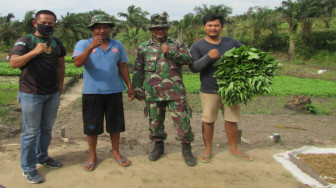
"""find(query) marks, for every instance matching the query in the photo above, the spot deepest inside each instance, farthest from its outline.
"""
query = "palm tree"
(257, 17)
(131, 39)
(26, 23)
(189, 28)
(71, 28)
(9, 30)
(222, 10)
(289, 11)
(273, 22)
(308, 11)
(329, 6)
(135, 19)
(231, 25)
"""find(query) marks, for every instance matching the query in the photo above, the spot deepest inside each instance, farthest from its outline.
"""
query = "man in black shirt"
(205, 53)
(41, 60)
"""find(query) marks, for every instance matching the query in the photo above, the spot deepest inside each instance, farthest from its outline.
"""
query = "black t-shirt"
(204, 64)
(39, 75)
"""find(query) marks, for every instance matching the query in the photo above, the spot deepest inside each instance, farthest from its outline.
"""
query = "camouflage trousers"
(180, 113)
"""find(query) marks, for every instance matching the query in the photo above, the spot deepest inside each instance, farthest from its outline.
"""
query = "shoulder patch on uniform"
(20, 43)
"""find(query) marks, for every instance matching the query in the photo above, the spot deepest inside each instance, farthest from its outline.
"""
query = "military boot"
(189, 158)
(157, 151)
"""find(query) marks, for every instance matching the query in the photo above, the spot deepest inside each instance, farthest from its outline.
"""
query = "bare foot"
(241, 155)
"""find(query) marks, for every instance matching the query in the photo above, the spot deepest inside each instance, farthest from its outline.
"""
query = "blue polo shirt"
(101, 73)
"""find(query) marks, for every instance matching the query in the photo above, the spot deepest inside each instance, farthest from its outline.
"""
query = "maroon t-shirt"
(39, 75)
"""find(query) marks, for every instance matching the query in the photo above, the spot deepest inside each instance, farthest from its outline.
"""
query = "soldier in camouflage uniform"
(157, 79)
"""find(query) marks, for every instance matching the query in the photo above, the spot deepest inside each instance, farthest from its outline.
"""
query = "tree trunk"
(181, 35)
(291, 50)
(326, 22)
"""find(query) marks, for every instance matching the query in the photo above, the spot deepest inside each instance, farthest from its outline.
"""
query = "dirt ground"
(170, 171)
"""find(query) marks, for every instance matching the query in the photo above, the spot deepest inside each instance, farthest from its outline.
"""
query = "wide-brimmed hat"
(100, 19)
(159, 20)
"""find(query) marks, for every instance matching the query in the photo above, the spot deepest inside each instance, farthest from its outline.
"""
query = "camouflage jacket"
(158, 76)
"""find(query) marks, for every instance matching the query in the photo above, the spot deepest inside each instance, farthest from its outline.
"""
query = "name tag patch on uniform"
(115, 50)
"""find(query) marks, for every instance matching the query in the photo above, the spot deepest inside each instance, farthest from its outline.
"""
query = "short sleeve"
(79, 48)
(62, 51)
(123, 54)
(21, 46)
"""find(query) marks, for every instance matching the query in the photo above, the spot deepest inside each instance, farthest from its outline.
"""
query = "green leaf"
(244, 73)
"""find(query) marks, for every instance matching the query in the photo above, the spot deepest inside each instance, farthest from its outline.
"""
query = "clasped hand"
(165, 48)
(40, 48)
(214, 53)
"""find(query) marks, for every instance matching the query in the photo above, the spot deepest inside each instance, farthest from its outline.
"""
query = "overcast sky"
(175, 8)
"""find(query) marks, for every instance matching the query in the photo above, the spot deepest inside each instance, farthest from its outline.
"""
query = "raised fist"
(214, 54)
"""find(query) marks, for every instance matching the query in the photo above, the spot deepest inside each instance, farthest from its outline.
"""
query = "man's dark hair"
(37, 14)
(212, 17)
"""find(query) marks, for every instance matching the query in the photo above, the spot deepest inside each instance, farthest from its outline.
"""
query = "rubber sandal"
(244, 156)
(204, 158)
(123, 161)
(90, 166)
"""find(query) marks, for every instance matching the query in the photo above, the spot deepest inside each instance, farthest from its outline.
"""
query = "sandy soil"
(170, 171)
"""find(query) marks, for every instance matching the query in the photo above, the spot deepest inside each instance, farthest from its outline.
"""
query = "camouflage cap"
(100, 19)
(159, 20)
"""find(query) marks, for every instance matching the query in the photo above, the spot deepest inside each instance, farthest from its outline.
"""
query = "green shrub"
(68, 59)
(308, 46)
(72, 70)
(278, 43)
(192, 83)
(311, 108)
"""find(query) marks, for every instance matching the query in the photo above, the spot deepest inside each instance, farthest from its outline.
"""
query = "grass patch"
(8, 96)
(302, 69)
(6, 70)
(192, 83)
(9, 82)
(320, 89)
(70, 70)
(287, 85)
(283, 86)
(4, 111)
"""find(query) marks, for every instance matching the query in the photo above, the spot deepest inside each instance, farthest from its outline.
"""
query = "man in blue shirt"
(105, 69)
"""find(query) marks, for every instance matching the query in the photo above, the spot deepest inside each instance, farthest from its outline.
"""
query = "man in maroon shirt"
(41, 60)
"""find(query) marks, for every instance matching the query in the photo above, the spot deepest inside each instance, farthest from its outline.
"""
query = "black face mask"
(45, 30)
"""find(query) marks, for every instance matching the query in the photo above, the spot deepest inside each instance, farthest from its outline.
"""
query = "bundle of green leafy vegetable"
(244, 73)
